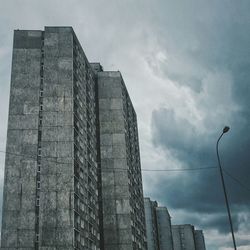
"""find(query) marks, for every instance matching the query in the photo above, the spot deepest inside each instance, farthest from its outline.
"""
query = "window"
(39, 135)
(39, 151)
(41, 84)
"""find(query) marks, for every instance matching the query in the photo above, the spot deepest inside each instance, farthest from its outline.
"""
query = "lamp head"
(226, 129)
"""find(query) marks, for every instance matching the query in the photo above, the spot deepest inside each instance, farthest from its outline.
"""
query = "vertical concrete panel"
(151, 224)
(176, 238)
(20, 165)
(199, 240)
(120, 203)
(183, 237)
(164, 228)
(56, 225)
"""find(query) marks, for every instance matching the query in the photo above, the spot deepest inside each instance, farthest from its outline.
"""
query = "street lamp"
(225, 130)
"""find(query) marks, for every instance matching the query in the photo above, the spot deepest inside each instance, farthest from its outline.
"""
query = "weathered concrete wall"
(158, 222)
(135, 178)
(50, 190)
(115, 190)
(124, 228)
(56, 193)
(183, 237)
(199, 240)
(164, 229)
(19, 198)
(86, 205)
(51, 181)
(151, 224)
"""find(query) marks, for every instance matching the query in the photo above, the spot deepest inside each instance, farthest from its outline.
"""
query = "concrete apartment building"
(185, 237)
(71, 127)
(123, 208)
(158, 226)
(199, 240)
(161, 235)
(151, 224)
(164, 229)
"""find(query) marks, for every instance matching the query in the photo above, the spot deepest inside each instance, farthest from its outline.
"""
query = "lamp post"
(225, 130)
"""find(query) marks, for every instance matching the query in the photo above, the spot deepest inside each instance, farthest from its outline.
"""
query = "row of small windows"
(84, 80)
(39, 151)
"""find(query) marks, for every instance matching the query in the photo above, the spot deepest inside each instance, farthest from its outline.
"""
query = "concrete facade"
(183, 237)
(19, 199)
(151, 224)
(72, 171)
(199, 240)
(50, 186)
(158, 226)
(164, 229)
(123, 208)
(161, 235)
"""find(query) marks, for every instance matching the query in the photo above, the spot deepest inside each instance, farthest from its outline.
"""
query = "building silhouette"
(151, 224)
(123, 207)
(199, 240)
(185, 237)
(72, 171)
(161, 235)
(158, 226)
(164, 229)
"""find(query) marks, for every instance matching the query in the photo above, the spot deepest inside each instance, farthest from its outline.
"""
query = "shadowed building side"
(123, 208)
(151, 224)
(183, 237)
(20, 194)
(164, 229)
(199, 240)
(158, 225)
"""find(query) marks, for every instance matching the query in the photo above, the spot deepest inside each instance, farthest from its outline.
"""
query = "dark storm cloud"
(200, 191)
(221, 49)
(203, 48)
(211, 221)
(210, 34)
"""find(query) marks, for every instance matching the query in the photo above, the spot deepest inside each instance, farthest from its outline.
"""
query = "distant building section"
(151, 224)
(158, 226)
(164, 229)
(161, 235)
(185, 237)
(199, 240)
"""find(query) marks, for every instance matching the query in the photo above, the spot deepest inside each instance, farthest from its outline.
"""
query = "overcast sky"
(186, 64)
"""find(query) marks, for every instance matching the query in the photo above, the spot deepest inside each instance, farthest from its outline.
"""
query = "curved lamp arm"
(225, 130)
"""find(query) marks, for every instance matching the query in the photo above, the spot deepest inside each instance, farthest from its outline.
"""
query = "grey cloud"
(243, 243)
(200, 192)
(219, 54)
(211, 221)
(203, 36)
